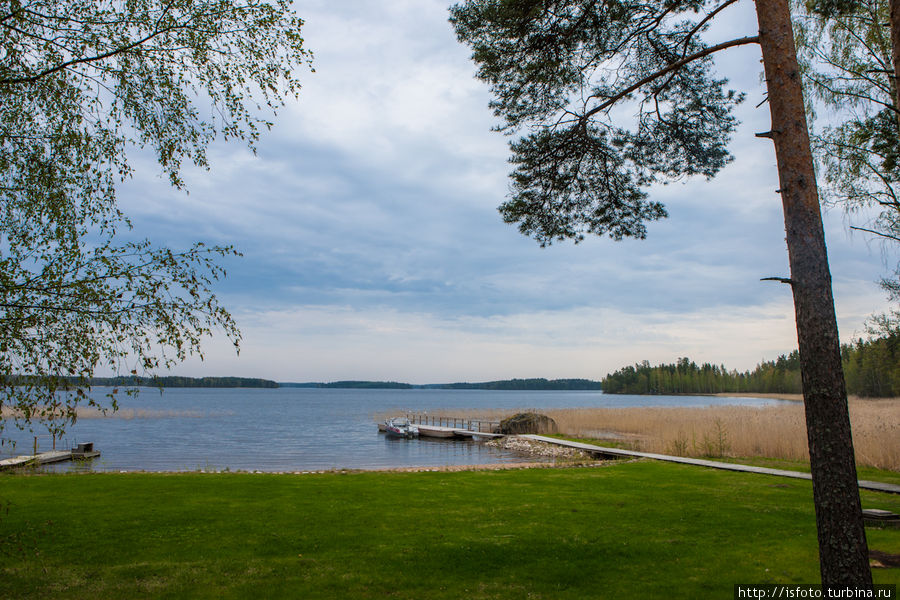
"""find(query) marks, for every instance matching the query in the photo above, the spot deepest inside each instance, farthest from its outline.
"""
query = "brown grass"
(772, 431)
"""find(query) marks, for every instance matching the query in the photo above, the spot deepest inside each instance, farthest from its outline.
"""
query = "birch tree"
(83, 84)
(850, 54)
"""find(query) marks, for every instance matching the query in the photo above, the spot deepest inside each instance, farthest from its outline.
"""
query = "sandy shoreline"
(792, 397)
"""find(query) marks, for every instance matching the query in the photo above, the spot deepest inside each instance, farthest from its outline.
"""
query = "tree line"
(351, 385)
(525, 384)
(183, 382)
(538, 383)
(871, 369)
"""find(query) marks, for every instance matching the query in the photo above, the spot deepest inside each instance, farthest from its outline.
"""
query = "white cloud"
(326, 343)
(373, 248)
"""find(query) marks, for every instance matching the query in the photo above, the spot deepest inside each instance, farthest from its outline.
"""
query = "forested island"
(522, 384)
(871, 368)
(183, 382)
(352, 385)
(506, 384)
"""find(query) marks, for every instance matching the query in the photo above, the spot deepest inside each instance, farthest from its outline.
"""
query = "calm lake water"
(299, 429)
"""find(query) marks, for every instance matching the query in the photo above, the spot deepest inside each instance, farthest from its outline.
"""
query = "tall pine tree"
(558, 68)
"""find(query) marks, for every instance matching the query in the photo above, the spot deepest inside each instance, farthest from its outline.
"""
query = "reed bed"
(91, 412)
(728, 431)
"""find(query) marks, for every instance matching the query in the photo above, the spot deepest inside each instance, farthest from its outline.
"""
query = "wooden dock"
(84, 451)
(464, 426)
(713, 464)
(451, 432)
(431, 426)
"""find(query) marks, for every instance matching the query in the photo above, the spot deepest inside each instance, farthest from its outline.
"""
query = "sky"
(373, 249)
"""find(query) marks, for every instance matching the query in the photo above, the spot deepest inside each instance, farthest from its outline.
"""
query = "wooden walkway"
(438, 431)
(451, 432)
(42, 458)
(616, 452)
(45, 458)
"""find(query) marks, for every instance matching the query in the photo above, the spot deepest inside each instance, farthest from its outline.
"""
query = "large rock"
(528, 423)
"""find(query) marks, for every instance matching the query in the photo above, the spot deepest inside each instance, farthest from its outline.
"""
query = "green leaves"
(572, 182)
(81, 82)
(558, 71)
(847, 59)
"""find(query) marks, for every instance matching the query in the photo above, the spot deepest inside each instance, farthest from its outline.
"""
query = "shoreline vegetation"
(772, 432)
(769, 432)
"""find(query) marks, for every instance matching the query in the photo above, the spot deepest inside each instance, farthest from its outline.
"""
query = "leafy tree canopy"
(846, 52)
(82, 82)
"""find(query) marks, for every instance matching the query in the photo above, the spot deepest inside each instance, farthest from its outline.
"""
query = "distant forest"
(523, 384)
(871, 368)
(183, 382)
(364, 385)
(506, 384)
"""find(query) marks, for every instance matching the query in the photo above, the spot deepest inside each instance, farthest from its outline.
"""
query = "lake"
(301, 429)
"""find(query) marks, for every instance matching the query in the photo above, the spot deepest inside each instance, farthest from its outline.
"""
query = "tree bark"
(843, 554)
(894, 10)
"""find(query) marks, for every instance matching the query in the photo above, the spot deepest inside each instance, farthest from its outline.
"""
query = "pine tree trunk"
(843, 555)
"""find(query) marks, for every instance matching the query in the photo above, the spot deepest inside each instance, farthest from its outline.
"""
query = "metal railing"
(476, 425)
(34, 444)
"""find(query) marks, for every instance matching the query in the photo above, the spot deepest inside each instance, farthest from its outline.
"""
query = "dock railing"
(476, 425)
(34, 444)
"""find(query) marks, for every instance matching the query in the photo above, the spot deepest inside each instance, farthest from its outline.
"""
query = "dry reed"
(716, 431)
(90, 412)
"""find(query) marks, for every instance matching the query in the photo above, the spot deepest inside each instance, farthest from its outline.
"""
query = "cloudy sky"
(373, 248)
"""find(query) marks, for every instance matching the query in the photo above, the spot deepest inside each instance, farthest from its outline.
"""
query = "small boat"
(435, 431)
(400, 427)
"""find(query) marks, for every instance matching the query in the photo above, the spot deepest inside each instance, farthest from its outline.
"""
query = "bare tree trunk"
(894, 9)
(843, 554)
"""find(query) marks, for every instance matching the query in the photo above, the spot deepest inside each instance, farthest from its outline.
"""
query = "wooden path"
(616, 452)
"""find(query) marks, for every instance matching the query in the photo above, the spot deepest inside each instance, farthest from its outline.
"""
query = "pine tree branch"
(668, 69)
(704, 21)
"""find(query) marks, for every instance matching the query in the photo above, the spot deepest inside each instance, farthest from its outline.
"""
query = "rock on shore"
(534, 448)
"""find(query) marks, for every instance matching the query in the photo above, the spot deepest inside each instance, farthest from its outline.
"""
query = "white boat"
(436, 431)
(400, 427)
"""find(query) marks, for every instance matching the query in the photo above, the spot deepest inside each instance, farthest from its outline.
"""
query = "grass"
(626, 530)
(862, 472)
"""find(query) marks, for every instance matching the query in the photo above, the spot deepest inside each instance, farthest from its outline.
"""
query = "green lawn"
(627, 530)
(864, 473)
